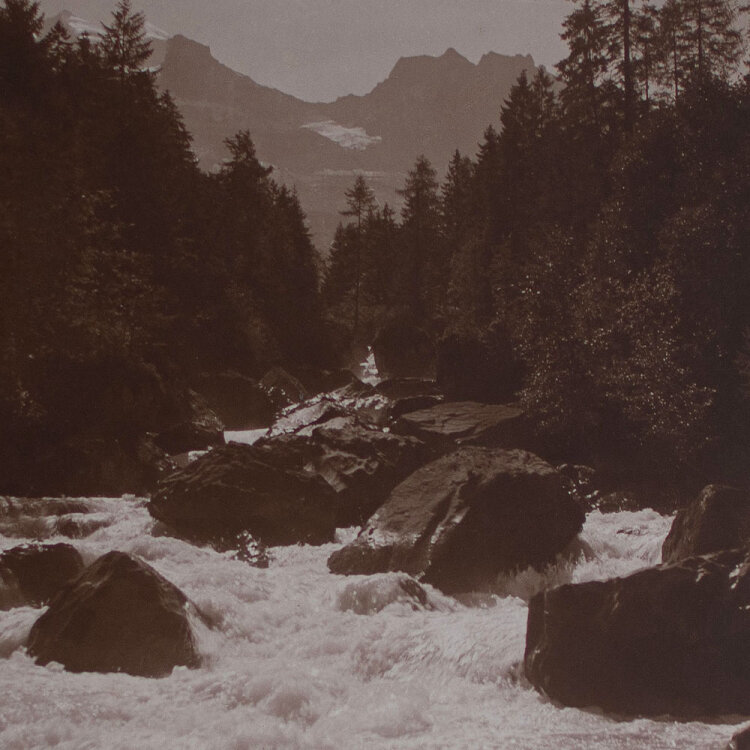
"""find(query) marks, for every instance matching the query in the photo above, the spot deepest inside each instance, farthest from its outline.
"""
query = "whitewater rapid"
(300, 658)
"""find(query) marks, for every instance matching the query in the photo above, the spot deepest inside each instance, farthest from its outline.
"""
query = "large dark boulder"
(403, 350)
(236, 489)
(119, 615)
(671, 639)
(445, 426)
(477, 368)
(718, 519)
(294, 487)
(360, 463)
(740, 740)
(459, 521)
(239, 401)
(33, 573)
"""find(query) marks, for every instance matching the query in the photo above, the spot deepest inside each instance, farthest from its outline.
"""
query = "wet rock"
(240, 402)
(360, 463)
(119, 615)
(33, 573)
(448, 425)
(671, 639)
(740, 740)
(37, 517)
(403, 350)
(374, 593)
(459, 521)
(284, 389)
(718, 519)
(315, 411)
(78, 526)
(237, 488)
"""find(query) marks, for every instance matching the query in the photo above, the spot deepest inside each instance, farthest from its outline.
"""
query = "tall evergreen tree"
(360, 202)
(124, 45)
(423, 260)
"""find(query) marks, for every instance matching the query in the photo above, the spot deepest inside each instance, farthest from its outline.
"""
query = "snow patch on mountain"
(95, 29)
(355, 139)
(80, 26)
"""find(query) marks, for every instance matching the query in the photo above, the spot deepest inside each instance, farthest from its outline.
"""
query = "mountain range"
(427, 105)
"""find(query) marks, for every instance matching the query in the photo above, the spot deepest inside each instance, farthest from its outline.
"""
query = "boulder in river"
(33, 573)
(297, 487)
(119, 615)
(457, 423)
(740, 740)
(718, 519)
(459, 521)
(360, 463)
(238, 488)
(673, 639)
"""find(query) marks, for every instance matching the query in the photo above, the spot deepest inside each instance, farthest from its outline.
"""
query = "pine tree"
(360, 201)
(124, 46)
(456, 200)
(585, 71)
(420, 217)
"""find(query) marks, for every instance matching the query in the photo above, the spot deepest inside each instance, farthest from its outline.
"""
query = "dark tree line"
(603, 233)
(114, 246)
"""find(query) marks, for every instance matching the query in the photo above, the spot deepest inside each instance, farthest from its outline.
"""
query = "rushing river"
(300, 658)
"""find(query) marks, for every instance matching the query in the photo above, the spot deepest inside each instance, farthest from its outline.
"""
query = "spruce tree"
(360, 201)
(424, 265)
(124, 46)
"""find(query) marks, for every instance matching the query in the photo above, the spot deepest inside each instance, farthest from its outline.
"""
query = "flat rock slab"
(459, 521)
(673, 639)
(457, 423)
(119, 615)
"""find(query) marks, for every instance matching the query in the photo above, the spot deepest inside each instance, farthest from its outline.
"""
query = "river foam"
(300, 658)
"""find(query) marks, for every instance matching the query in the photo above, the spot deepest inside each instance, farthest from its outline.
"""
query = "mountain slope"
(427, 105)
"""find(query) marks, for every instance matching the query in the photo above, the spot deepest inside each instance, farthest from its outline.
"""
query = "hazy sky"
(321, 49)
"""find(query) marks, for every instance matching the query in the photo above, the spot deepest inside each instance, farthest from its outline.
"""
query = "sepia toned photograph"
(374, 375)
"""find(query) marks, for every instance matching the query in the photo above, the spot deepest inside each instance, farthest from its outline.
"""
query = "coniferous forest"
(220, 527)
(121, 261)
(594, 251)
